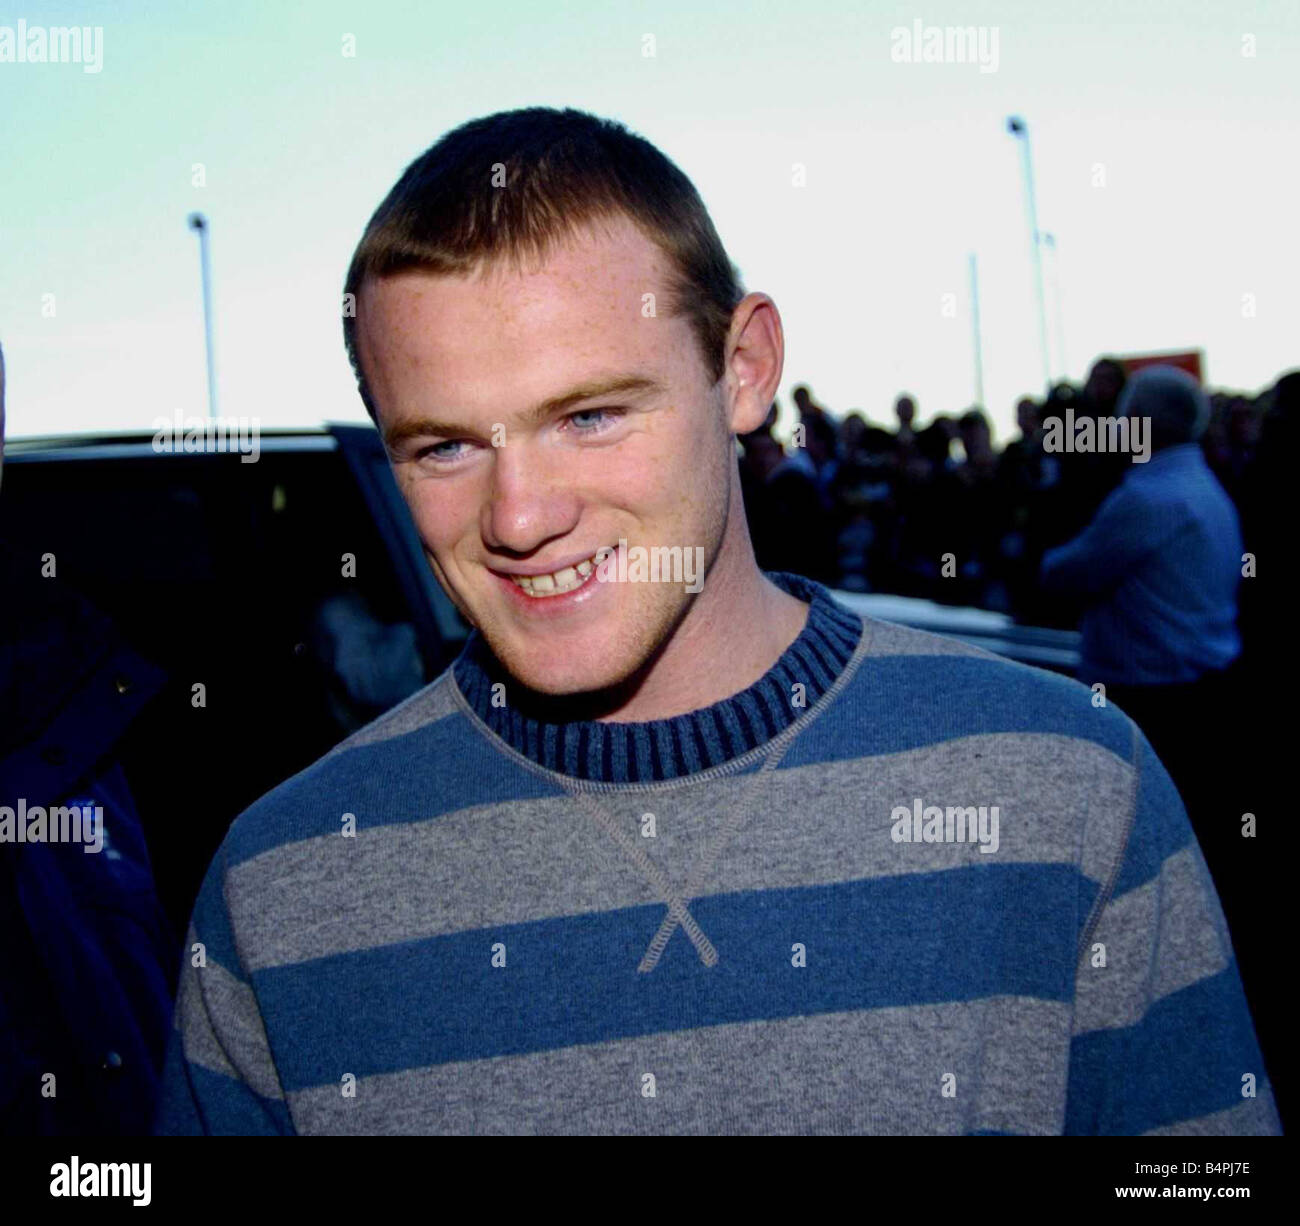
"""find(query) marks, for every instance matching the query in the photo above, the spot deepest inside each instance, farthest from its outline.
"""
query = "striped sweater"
(899, 885)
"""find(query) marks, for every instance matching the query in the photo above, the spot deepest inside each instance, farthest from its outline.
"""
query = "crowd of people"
(1176, 570)
(940, 512)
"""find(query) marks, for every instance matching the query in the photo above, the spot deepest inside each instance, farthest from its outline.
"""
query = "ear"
(754, 361)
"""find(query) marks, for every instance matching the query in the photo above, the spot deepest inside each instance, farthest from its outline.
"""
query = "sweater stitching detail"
(737, 816)
(1103, 897)
(676, 904)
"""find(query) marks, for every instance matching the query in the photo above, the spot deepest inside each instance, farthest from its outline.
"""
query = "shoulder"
(394, 765)
(915, 687)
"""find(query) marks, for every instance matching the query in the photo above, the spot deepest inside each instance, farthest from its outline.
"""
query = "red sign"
(1190, 362)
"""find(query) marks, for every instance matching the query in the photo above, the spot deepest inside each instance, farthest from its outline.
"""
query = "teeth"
(560, 581)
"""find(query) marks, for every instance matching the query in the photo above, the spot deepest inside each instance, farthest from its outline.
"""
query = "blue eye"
(607, 416)
(440, 456)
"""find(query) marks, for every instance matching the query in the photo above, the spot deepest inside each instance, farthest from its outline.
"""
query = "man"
(1157, 572)
(759, 459)
(1160, 563)
(905, 412)
(1025, 475)
(642, 860)
(1087, 476)
(87, 959)
(803, 518)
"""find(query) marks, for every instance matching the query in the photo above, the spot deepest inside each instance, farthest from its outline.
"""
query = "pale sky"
(1164, 143)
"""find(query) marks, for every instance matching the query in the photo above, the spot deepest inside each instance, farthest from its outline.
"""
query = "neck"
(704, 660)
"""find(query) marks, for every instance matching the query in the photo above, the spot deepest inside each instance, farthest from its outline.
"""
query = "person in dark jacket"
(87, 960)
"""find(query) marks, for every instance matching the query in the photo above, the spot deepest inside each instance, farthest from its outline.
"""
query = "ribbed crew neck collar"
(609, 752)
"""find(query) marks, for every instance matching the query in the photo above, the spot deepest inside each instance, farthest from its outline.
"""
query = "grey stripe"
(877, 1071)
(426, 706)
(241, 1050)
(1252, 1117)
(1173, 909)
(892, 639)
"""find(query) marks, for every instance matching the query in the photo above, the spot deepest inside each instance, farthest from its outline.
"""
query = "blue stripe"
(1184, 1059)
(924, 700)
(960, 935)
(229, 1107)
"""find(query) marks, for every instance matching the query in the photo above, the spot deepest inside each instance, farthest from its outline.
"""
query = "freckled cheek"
(442, 519)
(647, 487)
(676, 498)
(616, 480)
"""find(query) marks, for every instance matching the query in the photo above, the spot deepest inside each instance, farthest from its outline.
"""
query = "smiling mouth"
(558, 582)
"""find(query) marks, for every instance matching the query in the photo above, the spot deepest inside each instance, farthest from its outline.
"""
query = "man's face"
(508, 472)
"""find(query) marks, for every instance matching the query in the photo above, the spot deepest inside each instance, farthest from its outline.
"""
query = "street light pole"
(975, 330)
(199, 224)
(1058, 310)
(1017, 127)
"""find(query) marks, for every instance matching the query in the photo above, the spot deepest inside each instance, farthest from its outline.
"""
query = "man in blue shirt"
(1158, 567)
(1157, 572)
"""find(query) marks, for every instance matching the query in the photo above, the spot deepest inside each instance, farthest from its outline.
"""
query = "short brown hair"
(449, 212)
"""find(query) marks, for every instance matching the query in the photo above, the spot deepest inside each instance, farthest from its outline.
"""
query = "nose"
(530, 499)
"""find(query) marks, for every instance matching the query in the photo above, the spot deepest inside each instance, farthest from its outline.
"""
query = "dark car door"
(287, 602)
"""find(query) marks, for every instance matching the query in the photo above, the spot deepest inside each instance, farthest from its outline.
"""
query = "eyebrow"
(590, 390)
